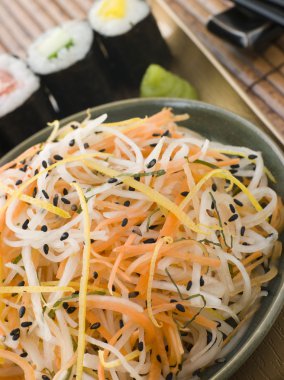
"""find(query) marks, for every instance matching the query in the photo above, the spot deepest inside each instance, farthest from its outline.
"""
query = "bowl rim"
(229, 367)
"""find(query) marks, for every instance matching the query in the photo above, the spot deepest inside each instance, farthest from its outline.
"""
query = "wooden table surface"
(261, 76)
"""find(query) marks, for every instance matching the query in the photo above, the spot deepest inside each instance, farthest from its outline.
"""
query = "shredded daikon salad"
(133, 249)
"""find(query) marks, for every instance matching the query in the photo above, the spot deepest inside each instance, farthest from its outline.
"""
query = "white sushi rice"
(81, 35)
(26, 83)
(136, 10)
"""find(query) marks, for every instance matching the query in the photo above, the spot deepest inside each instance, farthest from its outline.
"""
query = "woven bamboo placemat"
(260, 75)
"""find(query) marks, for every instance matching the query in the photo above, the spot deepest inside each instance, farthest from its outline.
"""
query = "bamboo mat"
(261, 76)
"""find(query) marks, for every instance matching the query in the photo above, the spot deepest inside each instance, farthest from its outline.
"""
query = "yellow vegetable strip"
(34, 289)
(18, 193)
(116, 363)
(37, 202)
(152, 194)
(83, 283)
(225, 174)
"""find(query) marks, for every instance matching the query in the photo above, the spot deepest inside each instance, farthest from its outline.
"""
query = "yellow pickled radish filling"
(112, 9)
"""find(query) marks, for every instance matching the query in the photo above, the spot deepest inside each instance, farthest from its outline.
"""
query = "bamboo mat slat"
(261, 75)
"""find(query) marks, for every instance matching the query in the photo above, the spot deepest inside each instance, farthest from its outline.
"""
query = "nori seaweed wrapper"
(131, 53)
(83, 85)
(25, 120)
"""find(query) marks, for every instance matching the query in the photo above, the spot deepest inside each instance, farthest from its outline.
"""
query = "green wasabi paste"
(158, 82)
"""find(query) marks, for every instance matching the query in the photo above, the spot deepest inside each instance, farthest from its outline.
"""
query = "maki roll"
(24, 105)
(72, 66)
(129, 34)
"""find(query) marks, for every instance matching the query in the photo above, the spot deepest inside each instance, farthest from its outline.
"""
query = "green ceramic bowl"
(226, 127)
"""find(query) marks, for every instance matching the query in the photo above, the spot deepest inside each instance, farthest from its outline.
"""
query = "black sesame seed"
(166, 133)
(153, 145)
(15, 332)
(25, 224)
(95, 275)
(55, 200)
(236, 166)
(92, 241)
(113, 288)
(189, 285)
(21, 283)
(64, 236)
(131, 188)
(44, 164)
(245, 243)
(140, 346)
(149, 241)
(233, 218)
(26, 324)
(86, 145)
(239, 203)
(133, 294)
(184, 193)
(121, 323)
(234, 171)
(44, 377)
(102, 150)
(158, 357)
(167, 348)
(36, 171)
(137, 179)
(126, 203)
(45, 194)
(74, 207)
(18, 182)
(57, 157)
(34, 192)
(209, 337)
(72, 142)
(153, 226)
(112, 180)
(65, 201)
(22, 311)
(24, 354)
(232, 208)
(169, 376)
(95, 326)
(180, 307)
(71, 309)
(156, 134)
(65, 191)
(214, 187)
(201, 281)
(173, 300)
(151, 163)
(124, 222)
(24, 168)
(16, 337)
(252, 156)
(44, 228)
(65, 305)
(45, 248)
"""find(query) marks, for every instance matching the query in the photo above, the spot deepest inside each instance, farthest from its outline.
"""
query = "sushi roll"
(71, 65)
(129, 34)
(24, 105)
